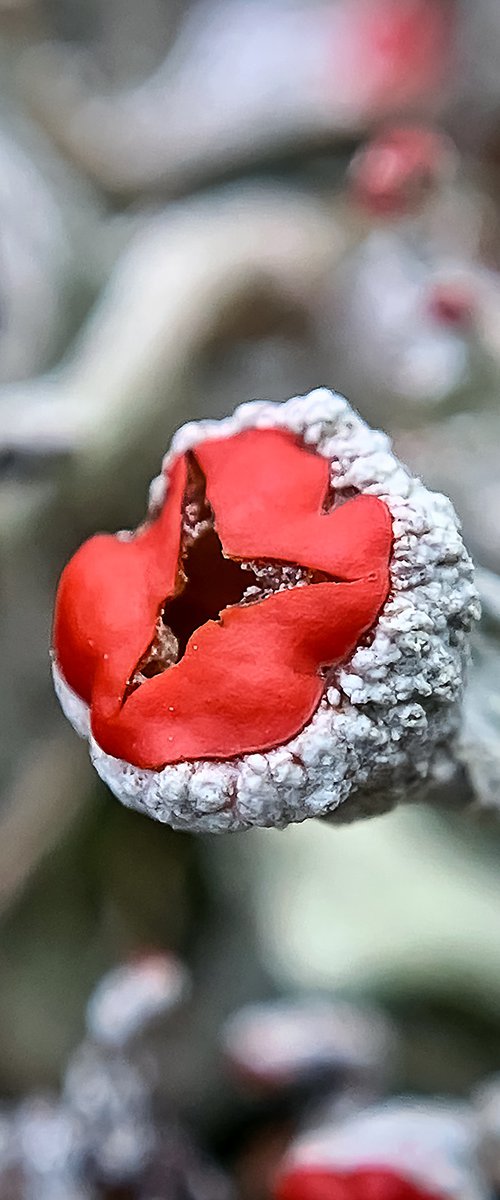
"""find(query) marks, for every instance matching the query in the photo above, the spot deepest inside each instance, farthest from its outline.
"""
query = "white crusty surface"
(392, 712)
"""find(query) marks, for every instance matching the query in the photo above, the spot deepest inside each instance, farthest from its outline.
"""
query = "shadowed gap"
(212, 583)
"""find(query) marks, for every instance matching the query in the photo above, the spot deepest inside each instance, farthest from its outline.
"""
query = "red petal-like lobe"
(109, 598)
(247, 682)
(367, 1183)
(267, 494)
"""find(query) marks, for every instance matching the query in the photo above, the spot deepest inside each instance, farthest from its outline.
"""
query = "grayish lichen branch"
(124, 383)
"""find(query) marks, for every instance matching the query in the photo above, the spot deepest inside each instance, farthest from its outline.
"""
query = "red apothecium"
(249, 676)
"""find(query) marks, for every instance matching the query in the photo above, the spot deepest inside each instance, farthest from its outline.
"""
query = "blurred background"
(203, 202)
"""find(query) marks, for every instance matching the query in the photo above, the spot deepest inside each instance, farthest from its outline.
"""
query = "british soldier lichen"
(286, 629)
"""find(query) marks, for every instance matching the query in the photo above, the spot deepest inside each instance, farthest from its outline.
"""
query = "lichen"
(391, 711)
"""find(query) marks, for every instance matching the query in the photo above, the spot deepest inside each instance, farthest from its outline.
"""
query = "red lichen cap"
(395, 172)
(250, 675)
(394, 55)
(365, 1184)
(203, 654)
(453, 303)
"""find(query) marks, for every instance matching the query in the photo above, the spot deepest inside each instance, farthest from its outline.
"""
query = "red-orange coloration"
(108, 601)
(407, 48)
(251, 679)
(276, 492)
(367, 1183)
(394, 173)
(454, 304)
